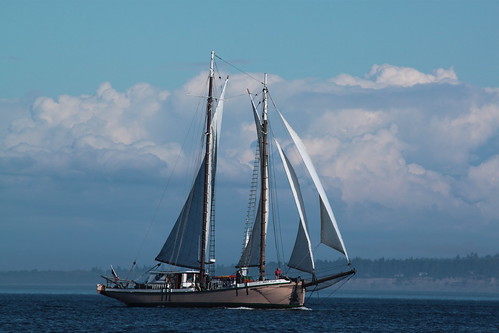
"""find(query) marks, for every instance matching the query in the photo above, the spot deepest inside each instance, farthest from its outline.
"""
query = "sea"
(70, 310)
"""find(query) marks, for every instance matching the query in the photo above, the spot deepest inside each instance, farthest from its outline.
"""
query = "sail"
(251, 253)
(216, 128)
(301, 257)
(258, 125)
(216, 122)
(183, 245)
(330, 234)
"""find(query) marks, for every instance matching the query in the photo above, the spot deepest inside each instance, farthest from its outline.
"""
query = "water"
(66, 312)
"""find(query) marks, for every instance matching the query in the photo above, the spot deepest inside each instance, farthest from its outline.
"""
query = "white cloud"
(372, 168)
(349, 123)
(470, 130)
(108, 128)
(382, 76)
(421, 154)
(482, 187)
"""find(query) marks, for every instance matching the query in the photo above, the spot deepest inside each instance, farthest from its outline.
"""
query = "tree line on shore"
(470, 266)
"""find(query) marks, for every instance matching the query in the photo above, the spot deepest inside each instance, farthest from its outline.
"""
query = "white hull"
(264, 294)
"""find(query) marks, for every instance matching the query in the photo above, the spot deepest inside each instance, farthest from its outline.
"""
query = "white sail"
(216, 128)
(258, 124)
(301, 257)
(216, 121)
(330, 234)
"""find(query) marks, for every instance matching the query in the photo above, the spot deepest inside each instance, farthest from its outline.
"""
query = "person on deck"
(239, 276)
(278, 273)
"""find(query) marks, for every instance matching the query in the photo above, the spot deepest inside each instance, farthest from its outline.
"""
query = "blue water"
(66, 312)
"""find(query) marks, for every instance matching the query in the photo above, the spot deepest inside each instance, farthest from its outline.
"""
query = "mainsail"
(251, 253)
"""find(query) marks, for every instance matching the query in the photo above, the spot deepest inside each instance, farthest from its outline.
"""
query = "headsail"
(330, 234)
(301, 257)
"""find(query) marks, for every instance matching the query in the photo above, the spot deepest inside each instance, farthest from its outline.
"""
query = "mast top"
(212, 63)
(265, 91)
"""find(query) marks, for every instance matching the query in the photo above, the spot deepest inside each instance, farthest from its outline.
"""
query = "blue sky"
(94, 96)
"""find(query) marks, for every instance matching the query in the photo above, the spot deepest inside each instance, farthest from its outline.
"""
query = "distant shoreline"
(469, 275)
(357, 287)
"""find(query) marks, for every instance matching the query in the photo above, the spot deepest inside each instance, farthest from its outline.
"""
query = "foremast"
(207, 175)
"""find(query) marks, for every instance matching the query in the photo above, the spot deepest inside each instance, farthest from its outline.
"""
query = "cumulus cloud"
(417, 154)
(382, 76)
(106, 130)
(481, 187)
(424, 153)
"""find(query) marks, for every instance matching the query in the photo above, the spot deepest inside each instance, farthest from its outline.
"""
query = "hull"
(264, 294)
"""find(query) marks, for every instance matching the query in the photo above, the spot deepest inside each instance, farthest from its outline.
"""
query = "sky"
(396, 101)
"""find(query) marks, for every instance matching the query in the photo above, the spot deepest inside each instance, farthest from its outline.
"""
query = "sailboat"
(189, 246)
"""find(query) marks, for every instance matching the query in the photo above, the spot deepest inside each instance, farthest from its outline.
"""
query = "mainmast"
(207, 175)
(264, 205)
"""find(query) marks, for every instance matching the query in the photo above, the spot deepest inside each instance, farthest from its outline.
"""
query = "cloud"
(413, 147)
(481, 187)
(382, 76)
(107, 130)
(463, 133)
(421, 157)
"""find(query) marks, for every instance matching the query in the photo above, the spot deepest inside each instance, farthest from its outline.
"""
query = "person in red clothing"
(277, 273)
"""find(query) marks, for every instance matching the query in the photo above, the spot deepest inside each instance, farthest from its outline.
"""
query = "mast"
(264, 206)
(207, 175)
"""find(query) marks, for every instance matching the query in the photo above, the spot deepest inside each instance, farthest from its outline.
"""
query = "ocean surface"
(53, 310)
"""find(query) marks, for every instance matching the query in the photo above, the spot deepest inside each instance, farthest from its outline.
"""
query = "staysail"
(301, 257)
(330, 234)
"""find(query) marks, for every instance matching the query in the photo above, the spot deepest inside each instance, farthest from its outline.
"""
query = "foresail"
(330, 234)
(182, 247)
(301, 257)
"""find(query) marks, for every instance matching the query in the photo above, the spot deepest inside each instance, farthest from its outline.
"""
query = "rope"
(238, 69)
